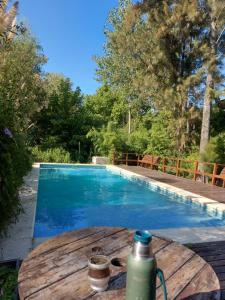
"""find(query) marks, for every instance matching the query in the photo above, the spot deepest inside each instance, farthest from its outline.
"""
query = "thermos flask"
(142, 270)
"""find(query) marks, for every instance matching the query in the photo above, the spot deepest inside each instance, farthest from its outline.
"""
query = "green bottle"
(142, 270)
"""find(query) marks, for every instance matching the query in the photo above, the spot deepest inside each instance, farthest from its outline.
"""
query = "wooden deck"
(205, 190)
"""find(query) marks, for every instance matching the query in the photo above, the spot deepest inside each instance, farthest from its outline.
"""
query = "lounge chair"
(221, 177)
(149, 160)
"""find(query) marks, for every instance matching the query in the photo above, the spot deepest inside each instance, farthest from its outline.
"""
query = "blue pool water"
(72, 197)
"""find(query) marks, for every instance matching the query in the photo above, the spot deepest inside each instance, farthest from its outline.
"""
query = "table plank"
(36, 281)
(33, 263)
(172, 258)
(204, 282)
(178, 281)
(65, 239)
(65, 287)
(61, 265)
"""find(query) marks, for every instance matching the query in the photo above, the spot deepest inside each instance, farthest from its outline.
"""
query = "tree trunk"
(129, 120)
(206, 115)
(205, 130)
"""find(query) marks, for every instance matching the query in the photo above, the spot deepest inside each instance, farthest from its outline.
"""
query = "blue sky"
(70, 32)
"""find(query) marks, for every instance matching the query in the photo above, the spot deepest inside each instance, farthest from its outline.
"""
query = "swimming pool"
(72, 197)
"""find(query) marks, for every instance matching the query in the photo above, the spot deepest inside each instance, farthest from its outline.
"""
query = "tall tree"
(153, 54)
(21, 85)
(61, 122)
(214, 26)
(21, 94)
(104, 106)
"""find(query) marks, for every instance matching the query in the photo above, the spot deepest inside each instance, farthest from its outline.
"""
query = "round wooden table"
(57, 269)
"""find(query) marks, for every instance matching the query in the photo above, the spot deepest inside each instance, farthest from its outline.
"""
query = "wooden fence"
(199, 171)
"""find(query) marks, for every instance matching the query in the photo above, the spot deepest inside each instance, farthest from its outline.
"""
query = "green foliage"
(105, 106)
(8, 282)
(194, 156)
(21, 95)
(217, 120)
(15, 162)
(108, 140)
(62, 122)
(161, 140)
(158, 52)
(21, 88)
(56, 155)
(153, 55)
(138, 140)
(215, 150)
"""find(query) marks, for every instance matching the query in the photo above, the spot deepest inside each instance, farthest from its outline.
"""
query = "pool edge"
(210, 205)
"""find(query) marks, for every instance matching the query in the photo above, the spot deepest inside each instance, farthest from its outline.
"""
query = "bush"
(8, 282)
(193, 156)
(15, 162)
(108, 140)
(138, 140)
(215, 150)
(161, 139)
(58, 155)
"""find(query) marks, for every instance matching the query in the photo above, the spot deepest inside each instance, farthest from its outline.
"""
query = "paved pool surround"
(20, 241)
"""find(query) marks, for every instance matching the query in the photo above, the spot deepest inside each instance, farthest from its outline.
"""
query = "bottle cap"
(143, 236)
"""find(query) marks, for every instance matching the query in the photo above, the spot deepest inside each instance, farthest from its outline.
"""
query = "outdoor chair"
(149, 160)
(220, 178)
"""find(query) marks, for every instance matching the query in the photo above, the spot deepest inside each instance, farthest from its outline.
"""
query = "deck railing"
(206, 172)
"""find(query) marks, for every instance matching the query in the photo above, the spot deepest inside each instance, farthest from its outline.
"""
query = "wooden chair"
(156, 160)
(149, 160)
(146, 160)
(221, 177)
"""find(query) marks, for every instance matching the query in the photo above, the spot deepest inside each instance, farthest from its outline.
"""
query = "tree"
(108, 140)
(62, 121)
(153, 54)
(105, 106)
(214, 26)
(21, 94)
(21, 85)
(166, 54)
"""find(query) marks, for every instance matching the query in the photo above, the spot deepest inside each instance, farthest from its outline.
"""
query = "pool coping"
(210, 205)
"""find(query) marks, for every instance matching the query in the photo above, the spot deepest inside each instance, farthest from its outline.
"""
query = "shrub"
(161, 140)
(15, 162)
(138, 140)
(215, 150)
(108, 140)
(58, 155)
(193, 156)
(8, 281)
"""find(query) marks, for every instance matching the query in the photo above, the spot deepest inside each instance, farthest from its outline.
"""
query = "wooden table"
(57, 269)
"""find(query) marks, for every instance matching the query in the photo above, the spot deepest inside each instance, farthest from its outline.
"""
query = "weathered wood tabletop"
(57, 269)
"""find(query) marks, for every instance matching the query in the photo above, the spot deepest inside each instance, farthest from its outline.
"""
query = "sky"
(70, 33)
